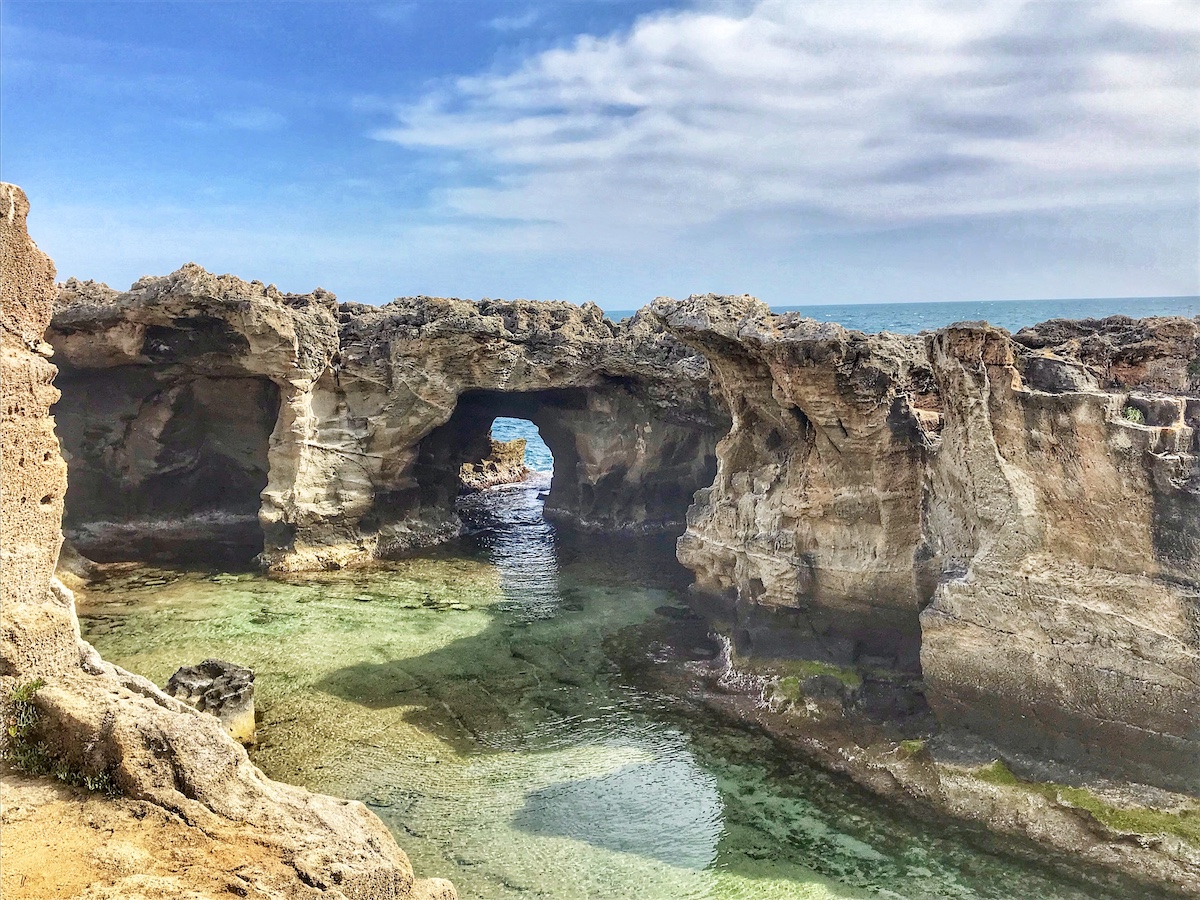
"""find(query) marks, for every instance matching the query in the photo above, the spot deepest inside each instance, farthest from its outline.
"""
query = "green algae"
(471, 702)
(1184, 824)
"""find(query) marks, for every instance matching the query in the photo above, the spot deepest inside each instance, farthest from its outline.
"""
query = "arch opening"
(517, 455)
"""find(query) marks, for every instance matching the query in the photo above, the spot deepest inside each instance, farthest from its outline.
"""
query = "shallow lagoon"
(471, 697)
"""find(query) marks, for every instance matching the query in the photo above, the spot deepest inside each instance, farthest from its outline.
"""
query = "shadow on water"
(656, 780)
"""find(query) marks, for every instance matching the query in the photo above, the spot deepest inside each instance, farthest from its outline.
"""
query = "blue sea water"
(910, 318)
(537, 454)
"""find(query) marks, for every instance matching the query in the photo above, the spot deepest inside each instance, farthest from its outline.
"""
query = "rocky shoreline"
(973, 538)
(89, 724)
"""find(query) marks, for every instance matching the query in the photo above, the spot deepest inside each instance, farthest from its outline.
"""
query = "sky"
(804, 151)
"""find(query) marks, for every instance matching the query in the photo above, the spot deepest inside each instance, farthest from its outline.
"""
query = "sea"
(913, 318)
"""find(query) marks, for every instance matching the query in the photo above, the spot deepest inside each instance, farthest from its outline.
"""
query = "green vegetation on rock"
(34, 757)
(1184, 824)
(1133, 414)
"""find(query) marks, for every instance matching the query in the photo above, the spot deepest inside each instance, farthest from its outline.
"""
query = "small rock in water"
(461, 607)
(364, 599)
(221, 688)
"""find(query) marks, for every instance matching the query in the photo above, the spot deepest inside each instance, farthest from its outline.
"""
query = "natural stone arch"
(616, 467)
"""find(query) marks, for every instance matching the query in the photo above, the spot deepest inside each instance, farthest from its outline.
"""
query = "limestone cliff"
(1017, 518)
(113, 727)
(1066, 518)
(1022, 514)
(204, 411)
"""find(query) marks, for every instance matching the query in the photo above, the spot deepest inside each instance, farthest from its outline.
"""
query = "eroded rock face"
(203, 411)
(1018, 518)
(1020, 513)
(504, 464)
(98, 720)
(1066, 621)
(223, 689)
(180, 397)
(816, 507)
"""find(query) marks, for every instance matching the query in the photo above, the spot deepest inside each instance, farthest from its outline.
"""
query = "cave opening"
(165, 470)
(517, 454)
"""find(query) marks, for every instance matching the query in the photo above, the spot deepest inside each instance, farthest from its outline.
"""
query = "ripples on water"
(468, 698)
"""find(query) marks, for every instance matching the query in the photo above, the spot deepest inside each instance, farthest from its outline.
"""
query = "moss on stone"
(912, 748)
(807, 668)
(1184, 824)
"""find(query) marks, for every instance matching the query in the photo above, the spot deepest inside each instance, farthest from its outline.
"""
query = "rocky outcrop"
(222, 689)
(815, 511)
(1067, 619)
(1020, 514)
(1017, 519)
(209, 410)
(504, 464)
(105, 725)
(181, 397)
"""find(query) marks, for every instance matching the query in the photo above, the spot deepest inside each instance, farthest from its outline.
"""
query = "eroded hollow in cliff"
(616, 466)
(165, 469)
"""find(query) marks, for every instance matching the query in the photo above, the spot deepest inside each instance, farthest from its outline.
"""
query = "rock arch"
(376, 409)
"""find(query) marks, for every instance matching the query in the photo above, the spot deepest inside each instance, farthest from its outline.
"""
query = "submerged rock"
(221, 688)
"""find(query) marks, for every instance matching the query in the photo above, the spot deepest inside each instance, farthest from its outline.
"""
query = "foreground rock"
(94, 723)
(221, 689)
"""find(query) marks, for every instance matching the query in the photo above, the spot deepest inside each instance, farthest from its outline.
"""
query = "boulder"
(221, 688)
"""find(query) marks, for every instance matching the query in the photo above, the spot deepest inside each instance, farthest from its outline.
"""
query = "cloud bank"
(828, 115)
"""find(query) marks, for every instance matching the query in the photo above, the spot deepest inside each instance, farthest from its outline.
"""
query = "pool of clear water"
(472, 697)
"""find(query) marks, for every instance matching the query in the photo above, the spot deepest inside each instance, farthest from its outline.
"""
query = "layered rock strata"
(1021, 514)
(320, 434)
(105, 725)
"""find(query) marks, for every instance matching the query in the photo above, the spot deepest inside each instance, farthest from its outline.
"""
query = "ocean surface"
(911, 318)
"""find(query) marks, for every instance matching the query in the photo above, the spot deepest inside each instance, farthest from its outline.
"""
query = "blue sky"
(805, 152)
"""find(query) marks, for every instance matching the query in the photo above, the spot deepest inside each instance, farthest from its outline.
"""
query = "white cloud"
(862, 114)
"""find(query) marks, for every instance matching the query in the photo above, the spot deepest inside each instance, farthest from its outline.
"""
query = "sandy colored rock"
(102, 723)
(504, 464)
(203, 412)
(1022, 513)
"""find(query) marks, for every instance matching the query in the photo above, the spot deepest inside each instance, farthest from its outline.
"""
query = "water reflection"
(473, 697)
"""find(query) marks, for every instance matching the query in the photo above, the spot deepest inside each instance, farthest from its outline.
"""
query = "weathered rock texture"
(1016, 518)
(1022, 514)
(1067, 620)
(504, 464)
(816, 507)
(222, 689)
(205, 411)
(98, 720)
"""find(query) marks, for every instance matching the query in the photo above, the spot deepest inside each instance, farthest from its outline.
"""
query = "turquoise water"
(494, 703)
(910, 318)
